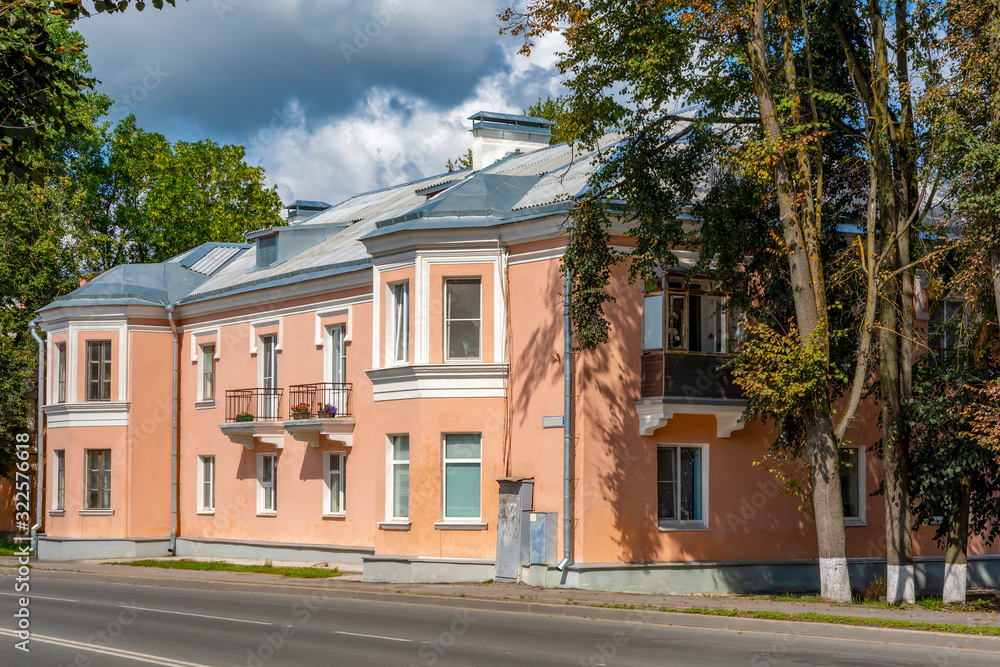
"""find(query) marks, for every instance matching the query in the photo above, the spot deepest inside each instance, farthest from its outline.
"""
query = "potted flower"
(244, 417)
(327, 410)
(300, 411)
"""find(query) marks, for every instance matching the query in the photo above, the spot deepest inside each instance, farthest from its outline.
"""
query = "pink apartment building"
(384, 381)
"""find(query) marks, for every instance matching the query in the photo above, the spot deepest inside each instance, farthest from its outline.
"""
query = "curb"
(817, 629)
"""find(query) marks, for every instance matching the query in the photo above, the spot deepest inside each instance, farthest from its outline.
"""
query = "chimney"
(300, 210)
(497, 135)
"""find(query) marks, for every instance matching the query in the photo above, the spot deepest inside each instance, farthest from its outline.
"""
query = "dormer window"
(267, 250)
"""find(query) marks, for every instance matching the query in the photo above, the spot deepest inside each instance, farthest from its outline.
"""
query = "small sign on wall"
(552, 421)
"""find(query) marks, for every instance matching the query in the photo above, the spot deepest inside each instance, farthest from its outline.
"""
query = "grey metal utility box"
(543, 528)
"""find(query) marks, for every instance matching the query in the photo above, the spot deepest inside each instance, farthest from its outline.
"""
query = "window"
(59, 465)
(462, 319)
(267, 473)
(99, 370)
(206, 483)
(267, 250)
(688, 317)
(208, 372)
(680, 482)
(98, 479)
(462, 475)
(399, 477)
(333, 478)
(399, 330)
(852, 484)
(61, 372)
(268, 407)
(943, 327)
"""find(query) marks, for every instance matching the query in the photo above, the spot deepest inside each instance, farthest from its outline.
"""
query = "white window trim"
(96, 511)
(278, 322)
(202, 508)
(447, 321)
(60, 359)
(346, 317)
(445, 519)
(391, 322)
(860, 520)
(328, 349)
(671, 525)
(327, 491)
(390, 485)
(214, 333)
(58, 456)
(261, 510)
(201, 372)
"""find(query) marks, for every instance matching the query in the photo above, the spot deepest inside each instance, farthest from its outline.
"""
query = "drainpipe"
(567, 429)
(39, 445)
(173, 438)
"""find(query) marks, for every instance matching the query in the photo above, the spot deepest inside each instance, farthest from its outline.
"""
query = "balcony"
(252, 416)
(321, 410)
(688, 383)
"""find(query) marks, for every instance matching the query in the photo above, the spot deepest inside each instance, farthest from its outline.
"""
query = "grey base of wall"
(73, 548)
(313, 553)
(401, 569)
(744, 577)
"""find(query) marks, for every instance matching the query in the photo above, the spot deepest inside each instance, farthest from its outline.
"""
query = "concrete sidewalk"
(660, 609)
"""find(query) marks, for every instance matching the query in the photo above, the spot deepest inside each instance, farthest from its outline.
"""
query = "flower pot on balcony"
(300, 415)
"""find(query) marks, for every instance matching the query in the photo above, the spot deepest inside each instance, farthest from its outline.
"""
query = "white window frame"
(267, 407)
(103, 455)
(270, 460)
(62, 370)
(202, 371)
(328, 472)
(399, 303)
(445, 462)
(105, 361)
(861, 519)
(59, 483)
(690, 524)
(330, 349)
(390, 478)
(202, 482)
(448, 320)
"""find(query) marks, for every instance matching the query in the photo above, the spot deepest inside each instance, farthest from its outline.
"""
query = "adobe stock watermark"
(364, 34)
(150, 82)
(280, 119)
(431, 651)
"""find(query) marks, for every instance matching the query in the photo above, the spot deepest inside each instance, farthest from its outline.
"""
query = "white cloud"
(392, 136)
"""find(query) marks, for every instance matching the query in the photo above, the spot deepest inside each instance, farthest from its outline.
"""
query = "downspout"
(567, 428)
(173, 438)
(38, 438)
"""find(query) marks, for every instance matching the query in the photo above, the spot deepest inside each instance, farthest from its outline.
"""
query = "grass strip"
(223, 566)
(810, 617)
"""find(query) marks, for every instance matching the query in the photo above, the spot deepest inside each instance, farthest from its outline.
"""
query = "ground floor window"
(462, 483)
(399, 477)
(680, 482)
(98, 479)
(333, 478)
(852, 484)
(267, 472)
(60, 469)
(206, 483)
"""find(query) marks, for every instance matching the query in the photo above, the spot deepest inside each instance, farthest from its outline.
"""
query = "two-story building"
(384, 381)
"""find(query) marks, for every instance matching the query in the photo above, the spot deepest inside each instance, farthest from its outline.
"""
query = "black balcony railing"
(254, 404)
(320, 400)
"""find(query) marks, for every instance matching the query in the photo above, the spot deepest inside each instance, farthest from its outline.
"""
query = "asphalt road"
(92, 623)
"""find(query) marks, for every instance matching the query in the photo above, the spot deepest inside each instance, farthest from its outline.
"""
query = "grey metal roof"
(305, 203)
(213, 259)
(533, 121)
(136, 283)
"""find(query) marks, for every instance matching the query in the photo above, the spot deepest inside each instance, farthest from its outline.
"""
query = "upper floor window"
(99, 370)
(208, 372)
(463, 317)
(267, 250)
(61, 372)
(688, 317)
(944, 327)
(399, 323)
(852, 484)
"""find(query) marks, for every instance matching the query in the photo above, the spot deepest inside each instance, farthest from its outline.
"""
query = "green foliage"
(554, 110)
(460, 163)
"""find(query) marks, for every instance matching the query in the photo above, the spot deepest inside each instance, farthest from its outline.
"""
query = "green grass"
(984, 605)
(845, 620)
(8, 548)
(223, 566)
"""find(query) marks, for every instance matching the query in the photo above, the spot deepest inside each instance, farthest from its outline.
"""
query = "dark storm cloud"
(219, 68)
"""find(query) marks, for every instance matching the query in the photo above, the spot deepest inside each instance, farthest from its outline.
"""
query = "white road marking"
(107, 650)
(37, 597)
(358, 634)
(187, 613)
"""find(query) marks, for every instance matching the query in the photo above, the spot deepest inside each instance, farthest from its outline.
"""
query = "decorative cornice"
(93, 413)
(439, 381)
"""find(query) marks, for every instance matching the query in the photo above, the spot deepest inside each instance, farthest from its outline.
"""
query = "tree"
(460, 163)
(554, 110)
(147, 199)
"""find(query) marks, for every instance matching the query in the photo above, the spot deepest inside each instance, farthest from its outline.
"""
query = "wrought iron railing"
(254, 404)
(320, 400)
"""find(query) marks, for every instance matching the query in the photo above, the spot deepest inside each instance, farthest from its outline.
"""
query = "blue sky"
(331, 97)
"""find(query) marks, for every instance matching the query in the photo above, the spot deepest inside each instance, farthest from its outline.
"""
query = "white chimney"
(497, 135)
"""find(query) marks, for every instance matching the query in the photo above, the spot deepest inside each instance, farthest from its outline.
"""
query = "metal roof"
(532, 121)
(213, 259)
